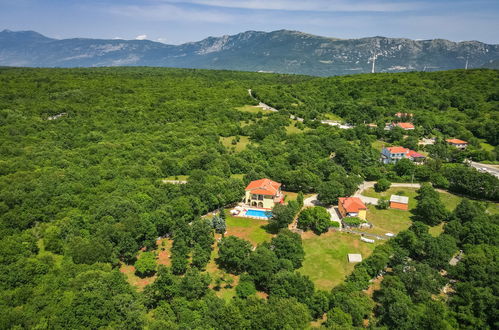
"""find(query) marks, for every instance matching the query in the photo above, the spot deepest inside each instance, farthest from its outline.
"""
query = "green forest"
(87, 156)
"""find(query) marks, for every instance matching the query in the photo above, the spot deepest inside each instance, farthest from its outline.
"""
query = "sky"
(176, 22)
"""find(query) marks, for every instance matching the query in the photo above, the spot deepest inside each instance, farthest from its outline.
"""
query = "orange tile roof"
(456, 141)
(352, 204)
(398, 150)
(405, 125)
(415, 154)
(263, 187)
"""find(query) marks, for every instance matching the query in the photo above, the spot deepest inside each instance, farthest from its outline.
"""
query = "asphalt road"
(486, 168)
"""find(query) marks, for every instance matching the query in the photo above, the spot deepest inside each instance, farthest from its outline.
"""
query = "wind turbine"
(373, 59)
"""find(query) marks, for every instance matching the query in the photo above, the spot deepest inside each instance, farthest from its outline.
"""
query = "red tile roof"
(405, 125)
(352, 204)
(414, 154)
(398, 150)
(456, 141)
(263, 187)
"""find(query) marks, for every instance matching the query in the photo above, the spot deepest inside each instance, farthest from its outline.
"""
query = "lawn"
(251, 109)
(326, 261)
(332, 116)
(249, 229)
(292, 129)
(394, 221)
(239, 146)
(228, 287)
(378, 145)
(450, 200)
(163, 258)
(493, 208)
(486, 146)
(387, 221)
(237, 176)
(291, 196)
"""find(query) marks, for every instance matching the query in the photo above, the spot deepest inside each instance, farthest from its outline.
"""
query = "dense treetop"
(458, 103)
(82, 192)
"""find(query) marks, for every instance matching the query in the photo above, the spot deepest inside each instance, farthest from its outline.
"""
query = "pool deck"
(244, 208)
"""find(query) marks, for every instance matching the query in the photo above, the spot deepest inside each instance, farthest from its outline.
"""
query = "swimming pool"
(258, 214)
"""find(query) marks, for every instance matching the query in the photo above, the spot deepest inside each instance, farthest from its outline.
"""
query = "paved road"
(311, 201)
(486, 168)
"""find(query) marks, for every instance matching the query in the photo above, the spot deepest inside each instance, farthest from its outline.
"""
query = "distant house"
(459, 144)
(354, 257)
(403, 115)
(352, 207)
(263, 193)
(404, 126)
(399, 202)
(391, 155)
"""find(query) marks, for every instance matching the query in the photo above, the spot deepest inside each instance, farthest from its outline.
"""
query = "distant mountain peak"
(284, 51)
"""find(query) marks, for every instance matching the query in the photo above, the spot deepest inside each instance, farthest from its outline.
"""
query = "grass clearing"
(249, 229)
(437, 230)
(326, 260)
(387, 221)
(162, 253)
(450, 200)
(237, 176)
(291, 196)
(486, 146)
(292, 129)
(251, 109)
(332, 116)
(239, 146)
(393, 220)
(493, 208)
(378, 145)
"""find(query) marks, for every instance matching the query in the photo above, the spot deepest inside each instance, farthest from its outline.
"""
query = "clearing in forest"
(326, 261)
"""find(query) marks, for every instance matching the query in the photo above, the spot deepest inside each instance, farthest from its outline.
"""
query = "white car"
(390, 235)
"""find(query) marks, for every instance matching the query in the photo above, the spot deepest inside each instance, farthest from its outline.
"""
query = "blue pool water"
(259, 214)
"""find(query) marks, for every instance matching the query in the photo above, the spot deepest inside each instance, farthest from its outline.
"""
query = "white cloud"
(167, 12)
(312, 5)
(162, 40)
(141, 37)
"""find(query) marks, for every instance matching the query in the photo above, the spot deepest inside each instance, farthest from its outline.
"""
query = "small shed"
(354, 257)
(399, 202)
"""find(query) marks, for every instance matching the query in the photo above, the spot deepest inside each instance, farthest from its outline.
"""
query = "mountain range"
(280, 51)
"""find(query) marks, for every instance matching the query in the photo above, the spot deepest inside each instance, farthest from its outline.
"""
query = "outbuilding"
(399, 202)
(354, 257)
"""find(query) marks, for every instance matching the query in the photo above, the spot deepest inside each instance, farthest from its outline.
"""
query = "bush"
(146, 264)
(316, 218)
(246, 287)
(383, 204)
(382, 185)
(335, 224)
(352, 221)
(233, 254)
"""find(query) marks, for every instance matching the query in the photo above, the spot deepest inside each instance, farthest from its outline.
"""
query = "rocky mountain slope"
(279, 51)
